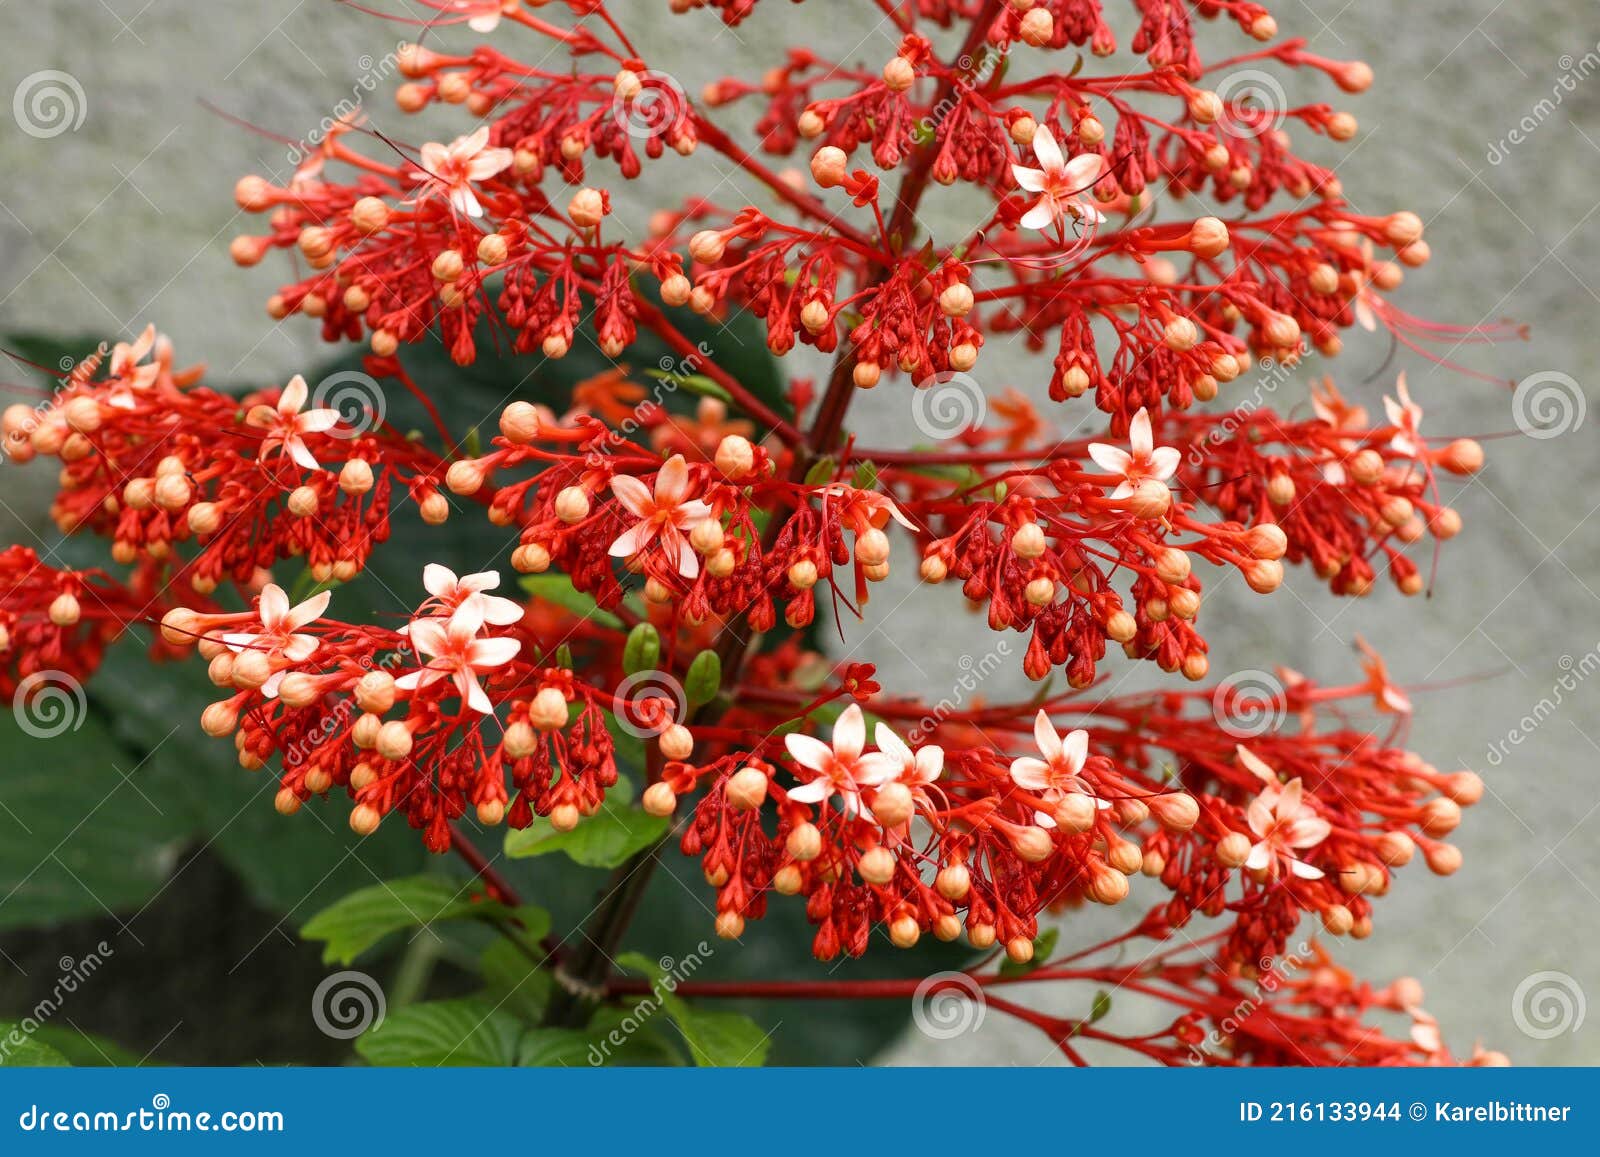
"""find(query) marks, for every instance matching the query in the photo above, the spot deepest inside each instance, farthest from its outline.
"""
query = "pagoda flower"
(1368, 305)
(487, 13)
(1407, 416)
(1142, 461)
(290, 421)
(841, 769)
(452, 592)
(454, 167)
(1060, 183)
(1283, 824)
(279, 636)
(1057, 774)
(456, 651)
(864, 510)
(1387, 695)
(132, 377)
(914, 769)
(668, 515)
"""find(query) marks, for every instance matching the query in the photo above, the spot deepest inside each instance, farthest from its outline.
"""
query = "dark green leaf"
(642, 652)
(22, 1050)
(704, 678)
(557, 588)
(723, 1039)
(468, 1032)
(1043, 945)
(602, 840)
(363, 918)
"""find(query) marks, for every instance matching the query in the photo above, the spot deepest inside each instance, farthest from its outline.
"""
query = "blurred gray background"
(125, 216)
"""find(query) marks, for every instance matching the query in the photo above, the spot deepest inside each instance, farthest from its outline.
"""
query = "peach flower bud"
(659, 800)
(519, 423)
(1208, 238)
(1233, 850)
(735, 456)
(899, 74)
(877, 865)
(1075, 812)
(707, 246)
(587, 208)
(804, 842)
(746, 789)
(548, 710)
(572, 504)
(829, 166)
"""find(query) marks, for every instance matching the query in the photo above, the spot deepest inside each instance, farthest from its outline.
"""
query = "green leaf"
(704, 678)
(469, 1032)
(514, 981)
(1043, 945)
(1101, 1006)
(85, 827)
(363, 918)
(821, 471)
(694, 383)
(865, 477)
(83, 1049)
(642, 652)
(22, 1050)
(614, 1037)
(557, 588)
(723, 1039)
(602, 840)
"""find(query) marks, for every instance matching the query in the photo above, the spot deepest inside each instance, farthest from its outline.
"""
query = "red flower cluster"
(741, 516)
